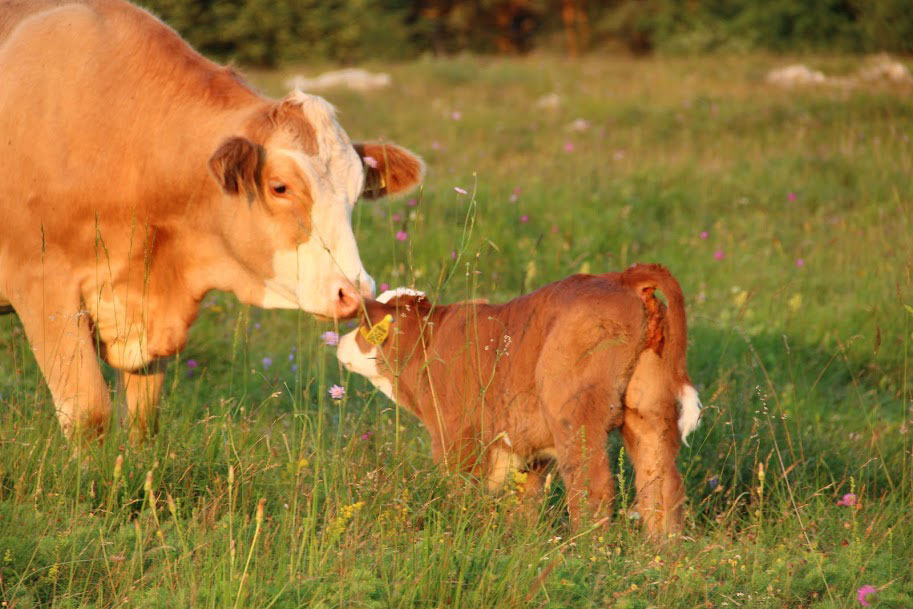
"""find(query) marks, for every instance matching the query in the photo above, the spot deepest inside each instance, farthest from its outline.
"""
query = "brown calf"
(548, 374)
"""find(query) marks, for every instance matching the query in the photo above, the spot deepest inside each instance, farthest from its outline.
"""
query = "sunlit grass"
(786, 216)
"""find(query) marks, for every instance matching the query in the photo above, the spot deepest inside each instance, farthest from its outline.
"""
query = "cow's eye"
(277, 188)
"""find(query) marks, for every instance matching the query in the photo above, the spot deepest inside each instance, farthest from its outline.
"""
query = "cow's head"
(292, 180)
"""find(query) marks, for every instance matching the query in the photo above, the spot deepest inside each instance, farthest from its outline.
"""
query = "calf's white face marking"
(351, 357)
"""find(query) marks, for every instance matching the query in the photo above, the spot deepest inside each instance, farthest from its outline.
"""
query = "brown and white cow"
(137, 175)
(548, 374)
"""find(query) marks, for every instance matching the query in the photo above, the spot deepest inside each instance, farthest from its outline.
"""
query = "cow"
(137, 176)
(547, 375)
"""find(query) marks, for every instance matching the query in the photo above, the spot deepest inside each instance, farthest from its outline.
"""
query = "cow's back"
(111, 116)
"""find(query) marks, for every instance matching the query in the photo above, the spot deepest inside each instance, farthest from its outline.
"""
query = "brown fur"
(554, 370)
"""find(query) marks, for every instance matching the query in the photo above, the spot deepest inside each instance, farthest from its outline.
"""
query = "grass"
(800, 345)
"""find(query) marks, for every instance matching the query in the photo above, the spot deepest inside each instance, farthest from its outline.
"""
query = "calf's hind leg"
(650, 434)
(579, 423)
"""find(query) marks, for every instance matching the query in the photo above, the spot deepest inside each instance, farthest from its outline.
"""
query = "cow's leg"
(650, 433)
(142, 391)
(60, 334)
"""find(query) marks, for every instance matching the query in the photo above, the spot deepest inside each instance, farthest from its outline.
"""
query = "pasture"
(787, 216)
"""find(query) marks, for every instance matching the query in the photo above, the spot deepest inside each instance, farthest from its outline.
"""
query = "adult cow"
(136, 176)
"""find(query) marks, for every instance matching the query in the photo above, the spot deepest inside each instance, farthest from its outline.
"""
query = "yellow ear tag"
(378, 332)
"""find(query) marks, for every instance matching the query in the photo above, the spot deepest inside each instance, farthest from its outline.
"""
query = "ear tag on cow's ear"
(378, 332)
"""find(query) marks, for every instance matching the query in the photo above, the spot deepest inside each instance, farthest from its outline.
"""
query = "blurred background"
(272, 32)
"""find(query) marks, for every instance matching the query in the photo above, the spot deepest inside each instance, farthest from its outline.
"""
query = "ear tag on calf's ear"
(378, 332)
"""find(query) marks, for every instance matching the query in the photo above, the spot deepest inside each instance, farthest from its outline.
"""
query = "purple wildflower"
(330, 339)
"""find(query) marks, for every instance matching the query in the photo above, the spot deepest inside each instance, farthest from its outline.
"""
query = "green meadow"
(787, 216)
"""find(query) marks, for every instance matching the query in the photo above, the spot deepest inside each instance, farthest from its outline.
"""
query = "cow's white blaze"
(365, 364)
(308, 276)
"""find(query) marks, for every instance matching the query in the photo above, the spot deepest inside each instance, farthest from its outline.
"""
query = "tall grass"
(785, 215)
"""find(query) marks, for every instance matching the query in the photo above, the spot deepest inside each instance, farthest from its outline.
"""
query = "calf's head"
(290, 182)
(389, 331)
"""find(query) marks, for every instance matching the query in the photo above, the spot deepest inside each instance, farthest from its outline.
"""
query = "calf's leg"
(578, 423)
(650, 433)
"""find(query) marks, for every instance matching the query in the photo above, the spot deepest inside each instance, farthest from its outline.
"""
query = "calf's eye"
(277, 188)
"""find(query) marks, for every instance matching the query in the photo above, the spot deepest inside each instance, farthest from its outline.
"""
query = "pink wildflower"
(384, 287)
(401, 235)
(704, 234)
(331, 339)
(397, 217)
(719, 255)
(337, 391)
(791, 196)
(569, 146)
(456, 115)
(863, 594)
(800, 262)
(412, 203)
(370, 161)
(524, 218)
(848, 500)
(459, 190)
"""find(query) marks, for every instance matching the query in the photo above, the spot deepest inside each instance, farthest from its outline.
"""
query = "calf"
(548, 374)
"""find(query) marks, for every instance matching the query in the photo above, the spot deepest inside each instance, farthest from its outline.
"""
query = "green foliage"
(267, 32)
(682, 26)
(802, 368)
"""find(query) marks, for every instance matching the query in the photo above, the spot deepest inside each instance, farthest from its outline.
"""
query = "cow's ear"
(389, 169)
(237, 163)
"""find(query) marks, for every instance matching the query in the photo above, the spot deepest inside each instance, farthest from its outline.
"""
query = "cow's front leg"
(142, 391)
(61, 337)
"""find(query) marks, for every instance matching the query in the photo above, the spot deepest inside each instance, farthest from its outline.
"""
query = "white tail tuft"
(690, 412)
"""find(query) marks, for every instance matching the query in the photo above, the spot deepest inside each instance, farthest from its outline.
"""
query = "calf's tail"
(670, 342)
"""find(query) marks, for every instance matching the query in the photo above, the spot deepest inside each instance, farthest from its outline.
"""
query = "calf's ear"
(389, 169)
(236, 164)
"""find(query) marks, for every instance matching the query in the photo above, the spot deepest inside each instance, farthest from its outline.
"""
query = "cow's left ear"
(236, 165)
(389, 169)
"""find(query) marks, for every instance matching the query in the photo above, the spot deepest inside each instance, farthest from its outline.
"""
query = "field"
(787, 216)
